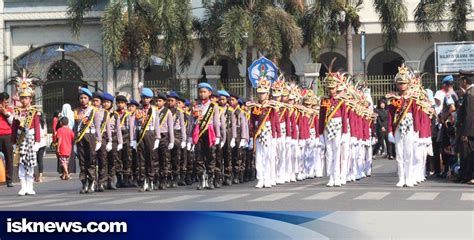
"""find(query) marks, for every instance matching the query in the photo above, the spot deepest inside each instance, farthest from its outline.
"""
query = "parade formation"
(287, 134)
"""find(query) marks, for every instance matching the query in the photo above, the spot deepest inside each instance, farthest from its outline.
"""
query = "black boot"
(210, 182)
(200, 183)
(135, 182)
(126, 182)
(181, 181)
(236, 179)
(120, 181)
(142, 186)
(167, 182)
(151, 185)
(100, 187)
(162, 185)
(113, 183)
(218, 182)
(91, 186)
(84, 187)
(174, 181)
(188, 179)
(241, 177)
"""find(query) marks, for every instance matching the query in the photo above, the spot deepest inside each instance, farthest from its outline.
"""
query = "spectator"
(42, 148)
(65, 137)
(381, 130)
(6, 118)
(447, 118)
(466, 128)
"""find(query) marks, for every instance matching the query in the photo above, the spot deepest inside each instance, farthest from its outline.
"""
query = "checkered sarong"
(264, 137)
(27, 155)
(405, 125)
(283, 129)
(334, 126)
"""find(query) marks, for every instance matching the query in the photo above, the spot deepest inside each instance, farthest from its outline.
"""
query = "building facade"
(35, 34)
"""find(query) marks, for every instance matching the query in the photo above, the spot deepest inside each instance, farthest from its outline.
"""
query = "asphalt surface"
(377, 192)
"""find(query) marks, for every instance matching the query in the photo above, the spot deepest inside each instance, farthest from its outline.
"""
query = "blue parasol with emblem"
(262, 67)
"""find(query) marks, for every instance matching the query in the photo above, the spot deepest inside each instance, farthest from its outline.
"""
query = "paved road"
(375, 193)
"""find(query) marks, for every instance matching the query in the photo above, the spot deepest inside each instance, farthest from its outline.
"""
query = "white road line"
(375, 167)
(83, 201)
(8, 202)
(423, 196)
(32, 202)
(272, 197)
(467, 197)
(372, 196)
(323, 196)
(226, 197)
(176, 199)
(127, 200)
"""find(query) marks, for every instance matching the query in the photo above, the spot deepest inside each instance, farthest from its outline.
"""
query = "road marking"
(31, 203)
(127, 200)
(467, 197)
(83, 201)
(176, 199)
(226, 197)
(272, 197)
(423, 196)
(376, 167)
(323, 196)
(7, 202)
(372, 196)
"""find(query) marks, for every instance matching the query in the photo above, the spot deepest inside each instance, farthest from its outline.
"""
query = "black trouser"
(250, 162)
(87, 157)
(134, 169)
(382, 138)
(205, 156)
(238, 162)
(227, 157)
(6, 148)
(102, 162)
(146, 157)
(39, 159)
(434, 161)
(112, 159)
(176, 157)
(467, 160)
(163, 162)
(124, 157)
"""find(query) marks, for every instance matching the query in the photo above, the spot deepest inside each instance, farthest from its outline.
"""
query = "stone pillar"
(213, 74)
(311, 75)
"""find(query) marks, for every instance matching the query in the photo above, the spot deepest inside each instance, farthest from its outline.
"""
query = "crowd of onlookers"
(452, 130)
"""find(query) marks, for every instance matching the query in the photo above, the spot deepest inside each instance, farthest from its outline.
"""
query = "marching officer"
(116, 140)
(240, 132)
(123, 159)
(166, 135)
(178, 160)
(132, 107)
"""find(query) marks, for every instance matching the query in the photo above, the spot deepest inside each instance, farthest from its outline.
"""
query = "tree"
(135, 29)
(232, 26)
(393, 17)
(430, 14)
(325, 20)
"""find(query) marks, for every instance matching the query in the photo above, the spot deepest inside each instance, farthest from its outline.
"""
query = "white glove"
(35, 147)
(391, 138)
(119, 147)
(14, 147)
(157, 144)
(183, 145)
(189, 146)
(133, 144)
(192, 148)
(98, 146)
(222, 144)
(321, 140)
(170, 146)
(232, 143)
(218, 140)
(108, 147)
(243, 143)
(251, 143)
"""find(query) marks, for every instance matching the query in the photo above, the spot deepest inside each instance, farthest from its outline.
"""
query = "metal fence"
(380, 85)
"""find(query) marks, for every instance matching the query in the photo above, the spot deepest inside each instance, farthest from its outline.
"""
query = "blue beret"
(121, 98)
(241, 101)
(173, 94)
(98, 95)
(85, 91)
(187, 103)
(448, 79)
(161, 96)
(223, 93)
(234, 95)
(108, 96)
(134, 102)
(205, 85)
(146, 92)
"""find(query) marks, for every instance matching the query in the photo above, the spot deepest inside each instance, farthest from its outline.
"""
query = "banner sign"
(451, 57)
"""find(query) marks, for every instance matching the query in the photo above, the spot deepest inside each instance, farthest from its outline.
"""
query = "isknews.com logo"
(25, 226)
